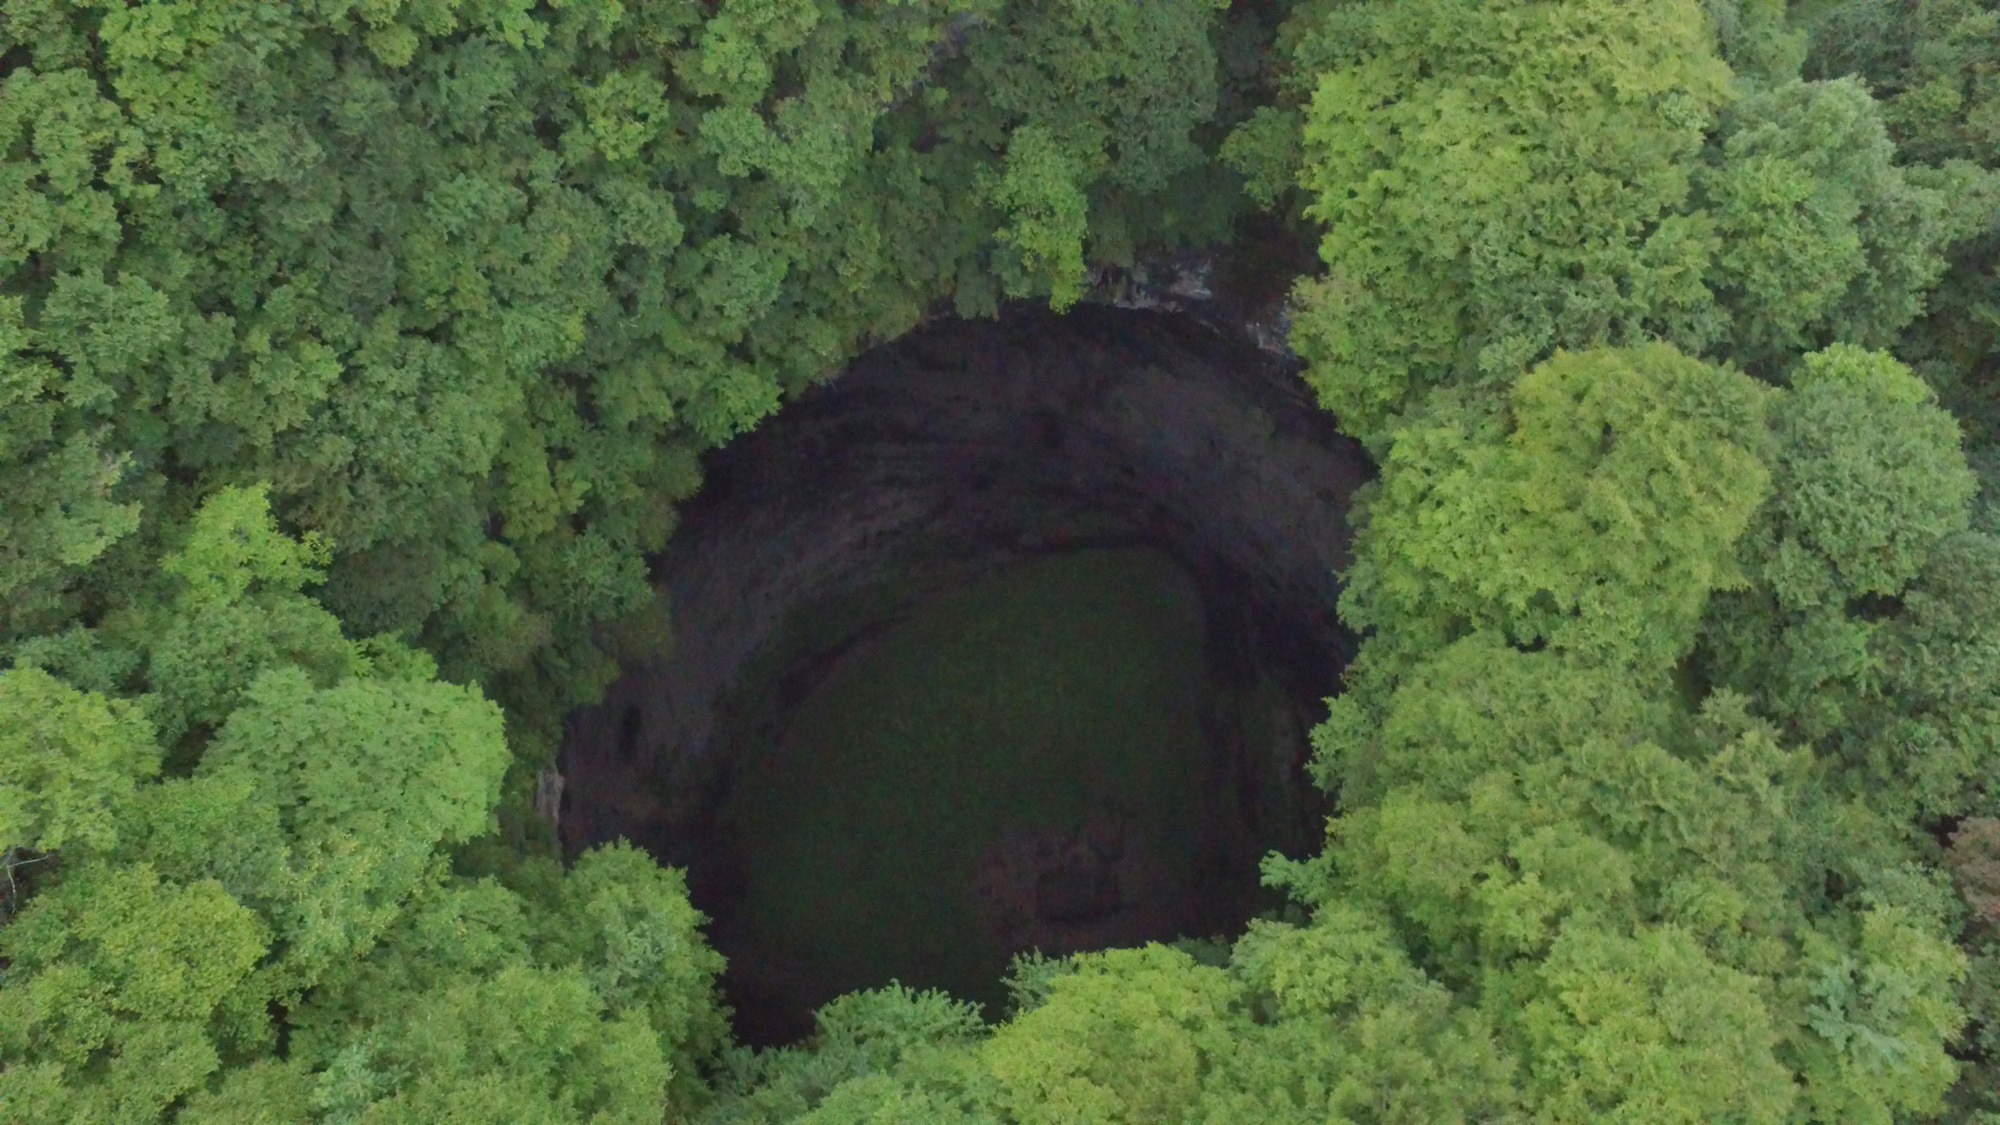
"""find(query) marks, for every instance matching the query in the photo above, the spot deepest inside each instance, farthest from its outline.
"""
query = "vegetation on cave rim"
(356, 352)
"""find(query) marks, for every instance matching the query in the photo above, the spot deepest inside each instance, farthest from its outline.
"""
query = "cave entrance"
(1008, 639)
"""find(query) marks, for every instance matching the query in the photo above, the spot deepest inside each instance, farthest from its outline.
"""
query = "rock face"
(955, 452)
(1095, 886)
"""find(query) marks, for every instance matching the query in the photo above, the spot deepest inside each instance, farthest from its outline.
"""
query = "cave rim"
(734, 477)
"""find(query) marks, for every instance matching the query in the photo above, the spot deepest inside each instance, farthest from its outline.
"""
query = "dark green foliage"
(1934, 65)
(1822, 237)
(1867, 480)
(1860, 629)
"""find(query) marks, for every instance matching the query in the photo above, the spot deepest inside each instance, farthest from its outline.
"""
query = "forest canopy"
(358, 352)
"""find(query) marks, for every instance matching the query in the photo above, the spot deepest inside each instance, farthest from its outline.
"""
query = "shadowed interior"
(1008, 638)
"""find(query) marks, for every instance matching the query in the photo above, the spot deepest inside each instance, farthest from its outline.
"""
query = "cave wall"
(958, 450)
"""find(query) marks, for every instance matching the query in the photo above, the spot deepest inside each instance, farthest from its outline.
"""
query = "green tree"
(610, 997)
(69, 761)
(1849, 633)
(471, 285)
(367, 779)
(113, 982)
(1495, 181)
(63, 481)
(1935, 64)
(1618, 881)
(1867, 479)
(1935, 67)
(1648, 1028)
(236, 610)
(1594, 514)
(1822, 236)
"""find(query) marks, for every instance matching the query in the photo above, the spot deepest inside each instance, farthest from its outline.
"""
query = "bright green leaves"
(1882, 1009)
(627, 921)
(1867, 478)
(1039, 189)
(640, 217)
(114, 974)
(594, 1006)
(1494, 873)
(1496, 181)
(68, 763)
(157, 952)
(1125, 1037)
(1344, 1029)
(1594, 516)
(1525, 796)
(523, 1044)
(281, 385)
(356, 278)
(381, 759)
(233, 546)
(1352, 1031)
(266, 1092)
(318, 804)
(364, 781)
(1639, 894)
(1474, 706)
(1648, 1029)
(239, 612)
(1631, 890)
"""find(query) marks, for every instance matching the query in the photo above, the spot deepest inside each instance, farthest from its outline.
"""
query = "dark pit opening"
(1010, 638)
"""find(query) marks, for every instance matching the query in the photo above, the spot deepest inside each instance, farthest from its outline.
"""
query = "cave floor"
(1014, 763)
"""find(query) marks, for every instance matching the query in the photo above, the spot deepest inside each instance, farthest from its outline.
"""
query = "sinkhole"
(1008, 639)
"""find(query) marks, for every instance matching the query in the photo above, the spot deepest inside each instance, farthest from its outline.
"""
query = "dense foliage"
(356, 352)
